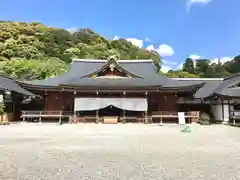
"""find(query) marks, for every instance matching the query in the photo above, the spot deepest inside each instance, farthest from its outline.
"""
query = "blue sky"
(175, 28)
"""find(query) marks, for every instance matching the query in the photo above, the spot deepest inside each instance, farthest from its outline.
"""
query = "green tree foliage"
(26, 49)
(188, 66)
(35, 51)
(205, 68)
(233, 66)
(180, 74)
(32, 69)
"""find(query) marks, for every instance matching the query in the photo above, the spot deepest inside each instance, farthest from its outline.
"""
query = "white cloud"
(222, 60)
(164, 50)
(136, 42)
(115, 38)
(170, 63)
(72, 29)
(180, 66)
(194, 57)
(147, 39)
(199, 1)
(191, 2)
(165, 68)
(150, 48)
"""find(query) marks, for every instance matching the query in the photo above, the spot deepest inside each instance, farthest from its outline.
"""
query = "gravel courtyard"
(123, 151)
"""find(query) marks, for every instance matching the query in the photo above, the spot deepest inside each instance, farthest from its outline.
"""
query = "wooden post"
(222, 109)
(97, 116)
(97, 111)
(124, 116)
(229, 111)
(146, 112)
(124, 113)
(24, 118)
(40, 117)
(60, 118)
(46, 101)
(74, 112)
(161, 119)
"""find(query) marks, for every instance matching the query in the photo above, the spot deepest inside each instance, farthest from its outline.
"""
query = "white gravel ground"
(123, 151)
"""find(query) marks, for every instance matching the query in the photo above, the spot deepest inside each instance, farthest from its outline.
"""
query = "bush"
(4, 123)
(205, 119)
(2, 109)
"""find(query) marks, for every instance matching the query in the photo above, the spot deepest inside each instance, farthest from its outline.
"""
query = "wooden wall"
(55, 101)
(59, 101)
(165, 102)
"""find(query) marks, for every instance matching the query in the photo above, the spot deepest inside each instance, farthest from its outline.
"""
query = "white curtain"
(130, 104)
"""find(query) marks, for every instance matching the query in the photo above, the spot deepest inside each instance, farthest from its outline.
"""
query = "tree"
(32, 69)
(233, 66)
(188, 66)
(180, 74)
(31, 45)
(202, 66)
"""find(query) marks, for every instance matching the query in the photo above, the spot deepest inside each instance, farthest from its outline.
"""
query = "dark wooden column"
(46, 100)
(222, 109)
(74, 96)
(146, 112)
(97, 111)
(124, 113)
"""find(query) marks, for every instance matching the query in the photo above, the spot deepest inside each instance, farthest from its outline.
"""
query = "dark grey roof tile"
(207, 89)
(9, 84)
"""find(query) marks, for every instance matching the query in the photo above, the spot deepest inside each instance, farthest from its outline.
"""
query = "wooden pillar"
(71, 119)
(97, 111)
(222, 109)
(124, 113)
(229, 111)
(60, 118)
(40, 117)
(146, 112)
(24, 117)
(46, 100)
(74, 96)
(62, 107)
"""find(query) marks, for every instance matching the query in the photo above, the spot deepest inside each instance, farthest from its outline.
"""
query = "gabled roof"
(144, 70)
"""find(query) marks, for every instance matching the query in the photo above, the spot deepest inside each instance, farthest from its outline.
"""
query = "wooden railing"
(46, 114)
(193, 116)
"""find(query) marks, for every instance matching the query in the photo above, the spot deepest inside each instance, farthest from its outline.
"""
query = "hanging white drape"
(130, 104)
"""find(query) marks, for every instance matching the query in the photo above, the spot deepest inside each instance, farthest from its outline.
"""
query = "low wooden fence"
(191, 116)
(45, 114)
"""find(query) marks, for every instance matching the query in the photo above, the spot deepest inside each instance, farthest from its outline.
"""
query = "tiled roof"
(142, 68)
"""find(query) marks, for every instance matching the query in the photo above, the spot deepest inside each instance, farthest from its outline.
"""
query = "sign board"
(181, 118)
(1, 98)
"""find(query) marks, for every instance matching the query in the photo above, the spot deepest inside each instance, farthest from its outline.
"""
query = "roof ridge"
(199, 79)
(104, 60)
(232, 76)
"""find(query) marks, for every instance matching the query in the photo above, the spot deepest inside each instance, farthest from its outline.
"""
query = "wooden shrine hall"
(107, 91)
(114, 91)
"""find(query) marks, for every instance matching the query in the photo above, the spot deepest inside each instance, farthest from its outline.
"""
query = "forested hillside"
(34, 51)
(206, 69)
